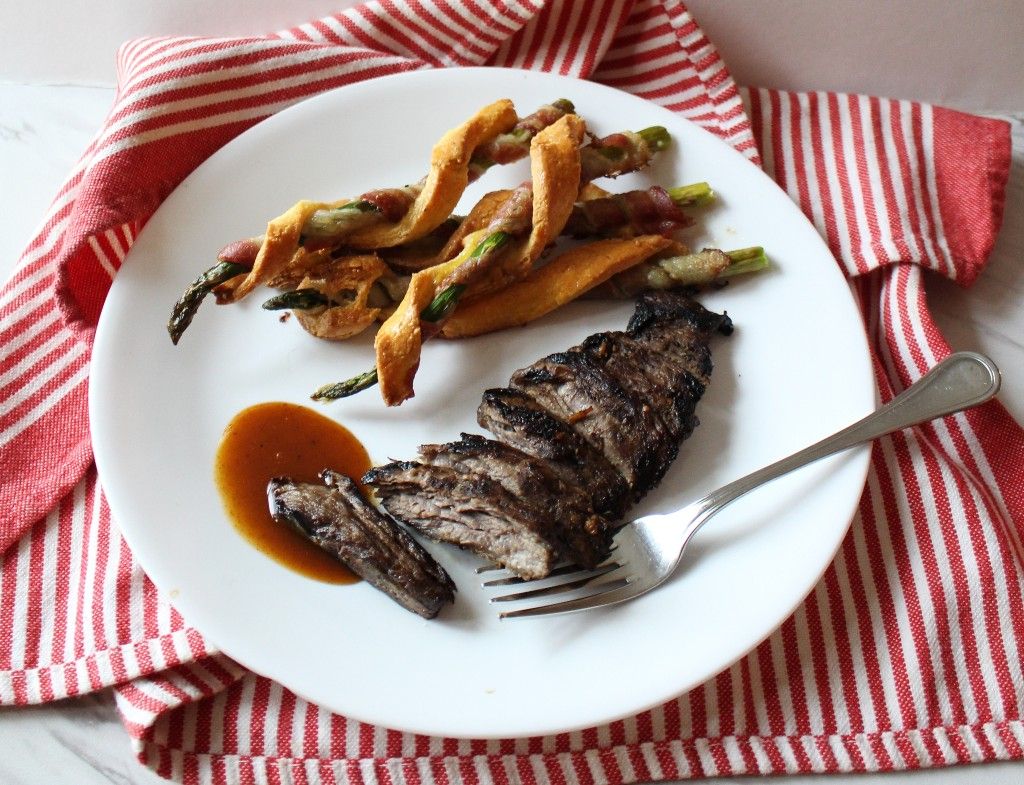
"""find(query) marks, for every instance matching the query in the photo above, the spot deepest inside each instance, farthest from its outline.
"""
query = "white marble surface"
(44, 128)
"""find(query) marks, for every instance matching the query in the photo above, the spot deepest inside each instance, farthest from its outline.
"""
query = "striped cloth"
(908, 653)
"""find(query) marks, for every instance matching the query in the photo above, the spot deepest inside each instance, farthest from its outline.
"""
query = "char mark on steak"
(563, 508)
(516, 419)
(471, 510)
(337, 518)
(630, 397)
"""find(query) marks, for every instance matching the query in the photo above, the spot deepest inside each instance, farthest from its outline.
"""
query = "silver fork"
(647, 551)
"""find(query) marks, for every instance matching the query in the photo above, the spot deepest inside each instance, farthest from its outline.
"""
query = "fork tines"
(572, 578)
(499, 576)
(569, 581)
(615, 591)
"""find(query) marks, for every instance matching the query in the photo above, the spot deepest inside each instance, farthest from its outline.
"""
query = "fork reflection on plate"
(645, 552)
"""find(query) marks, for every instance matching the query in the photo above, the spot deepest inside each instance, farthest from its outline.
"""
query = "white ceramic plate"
(796, 368)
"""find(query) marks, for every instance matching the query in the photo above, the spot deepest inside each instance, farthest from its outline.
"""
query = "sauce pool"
(283, 440)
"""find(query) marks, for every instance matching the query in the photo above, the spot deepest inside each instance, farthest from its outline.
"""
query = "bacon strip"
(280, 246)
(555, 168)
(558, 282)
(640, 212)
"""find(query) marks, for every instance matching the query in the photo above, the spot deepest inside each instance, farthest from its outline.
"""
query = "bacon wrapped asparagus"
(530, 218)
(606, 269)
(493, 136)
(502, 213)
(344, 261)
(642, 212)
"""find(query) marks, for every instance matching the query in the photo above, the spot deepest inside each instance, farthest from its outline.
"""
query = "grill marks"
(516, 419)
(576, 389)
(562, 510)
(579, 434)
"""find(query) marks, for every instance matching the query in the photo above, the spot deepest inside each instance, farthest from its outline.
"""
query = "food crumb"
(490, 691)
(284, 317)
(174, 593)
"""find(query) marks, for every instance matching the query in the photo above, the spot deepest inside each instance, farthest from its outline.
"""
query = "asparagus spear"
(692, 195)
(694, 269)
(651, 211)
(620, 153)
(326, 225)
(186, 307)
(298, 300)
(329, 226)
(745, 260)
(666, 274)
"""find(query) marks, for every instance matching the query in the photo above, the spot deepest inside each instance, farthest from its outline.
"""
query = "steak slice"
(575, 388)
(578, 534)
(517, 420)
(624, 400)
(656, 377)
(676, 330)
(466, 509)
(337, 518)
(659, 321)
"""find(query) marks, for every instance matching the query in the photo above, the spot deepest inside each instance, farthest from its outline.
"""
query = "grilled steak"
(562, 507)
(578, 435)
(516, 419)
(630, 396)
(669, 387)
(574, 387)
(337, 518)
(467, 509)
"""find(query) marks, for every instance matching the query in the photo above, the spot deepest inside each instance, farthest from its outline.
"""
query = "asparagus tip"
(746, 260)
(692, 195)
(336, 390)
(297, 300)
(185, 309)
(657, 137)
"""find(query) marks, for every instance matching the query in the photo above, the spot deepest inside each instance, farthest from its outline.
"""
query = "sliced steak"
(658, 321)
(516, 419)
(655, 377)
(629, 397)
(575, 388)
(337, 518)
(578, 435)
(578, 534)
(466, 509)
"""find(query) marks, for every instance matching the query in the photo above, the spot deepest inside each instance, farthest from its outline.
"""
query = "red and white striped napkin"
(908, 653)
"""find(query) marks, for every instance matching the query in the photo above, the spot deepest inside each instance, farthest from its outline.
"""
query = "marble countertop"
(44, 129)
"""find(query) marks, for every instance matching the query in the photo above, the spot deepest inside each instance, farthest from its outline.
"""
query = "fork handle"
(962, 380)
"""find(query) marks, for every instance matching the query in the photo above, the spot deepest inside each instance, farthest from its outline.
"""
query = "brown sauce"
(283, 440)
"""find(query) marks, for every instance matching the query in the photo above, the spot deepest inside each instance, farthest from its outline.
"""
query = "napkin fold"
(908, 652)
